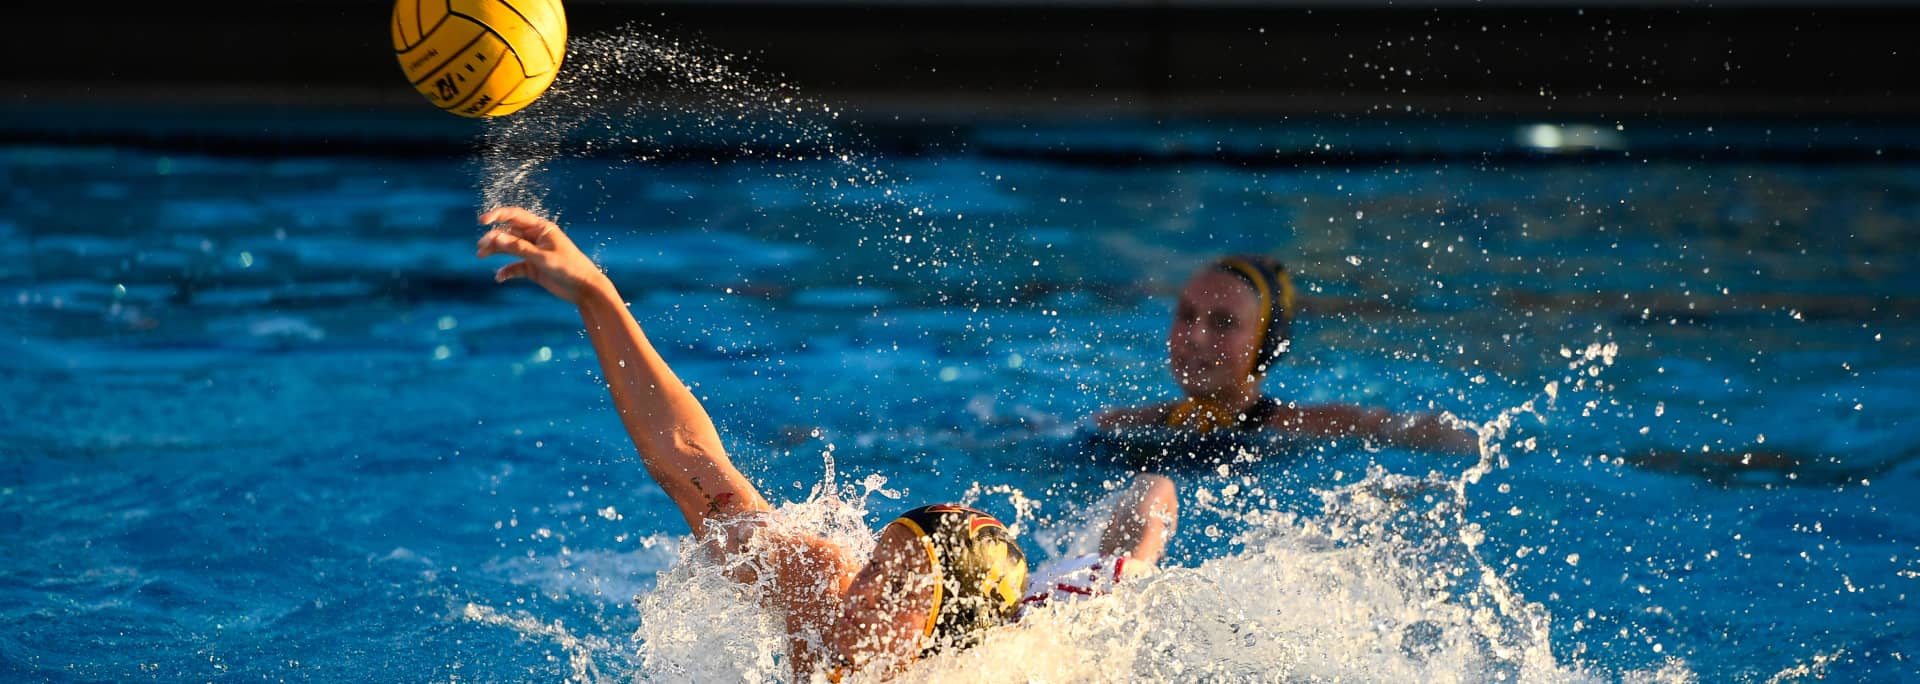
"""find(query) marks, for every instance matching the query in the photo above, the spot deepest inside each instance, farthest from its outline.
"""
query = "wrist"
(598, 291)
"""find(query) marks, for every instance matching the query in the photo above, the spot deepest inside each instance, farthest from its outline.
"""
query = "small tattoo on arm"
(715, 502)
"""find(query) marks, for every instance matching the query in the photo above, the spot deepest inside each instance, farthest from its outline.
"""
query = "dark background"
(167, 67)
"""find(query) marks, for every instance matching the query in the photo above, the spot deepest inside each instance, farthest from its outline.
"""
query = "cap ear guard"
(1274, 288)
(985, 590)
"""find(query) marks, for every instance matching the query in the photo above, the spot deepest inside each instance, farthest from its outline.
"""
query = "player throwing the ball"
(939, 575)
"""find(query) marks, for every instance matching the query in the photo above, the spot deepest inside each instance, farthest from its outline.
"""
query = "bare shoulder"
(790, 554)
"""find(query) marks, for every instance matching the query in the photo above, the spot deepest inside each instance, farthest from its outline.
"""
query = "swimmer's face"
(888, 606)
(1215, 333)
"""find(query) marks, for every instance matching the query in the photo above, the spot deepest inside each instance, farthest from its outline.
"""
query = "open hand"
(549, 258)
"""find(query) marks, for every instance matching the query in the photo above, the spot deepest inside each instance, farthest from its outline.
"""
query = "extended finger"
(518, 269)
(498, 241)
(520, 222)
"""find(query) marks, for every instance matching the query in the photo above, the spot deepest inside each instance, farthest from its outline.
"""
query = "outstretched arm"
(804, 575)
(1424, 431)
(1131, 417)
(1430, 431)
(677, 441)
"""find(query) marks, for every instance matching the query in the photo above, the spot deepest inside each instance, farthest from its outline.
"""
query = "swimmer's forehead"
(899, 542)
(896, 532)
(897, 555)
(1216, 289)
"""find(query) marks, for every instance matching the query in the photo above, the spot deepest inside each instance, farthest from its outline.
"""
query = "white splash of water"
(699, 624)
(1389, 581)
(1815, 668)
(580, 649)
(1294, 605)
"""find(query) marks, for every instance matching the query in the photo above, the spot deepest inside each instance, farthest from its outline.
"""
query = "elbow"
(693, 443)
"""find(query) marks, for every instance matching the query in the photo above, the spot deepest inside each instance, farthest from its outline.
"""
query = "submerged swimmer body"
(939, 575)
(1234, 320)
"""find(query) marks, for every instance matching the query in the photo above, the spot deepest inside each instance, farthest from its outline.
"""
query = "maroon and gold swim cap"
(980, 572)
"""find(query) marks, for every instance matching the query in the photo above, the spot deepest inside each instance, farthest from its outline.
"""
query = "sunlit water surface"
(270, 419)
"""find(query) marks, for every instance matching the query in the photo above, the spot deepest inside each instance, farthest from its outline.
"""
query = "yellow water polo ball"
(480, 57)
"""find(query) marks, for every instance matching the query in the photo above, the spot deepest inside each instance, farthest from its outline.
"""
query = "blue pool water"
(268, 418)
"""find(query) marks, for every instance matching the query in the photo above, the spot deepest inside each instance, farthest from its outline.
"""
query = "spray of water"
(1386, 582)
(632, 97)
(580, 650)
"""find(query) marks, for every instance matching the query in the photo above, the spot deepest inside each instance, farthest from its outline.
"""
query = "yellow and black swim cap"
(1275, 288)
(980, 572)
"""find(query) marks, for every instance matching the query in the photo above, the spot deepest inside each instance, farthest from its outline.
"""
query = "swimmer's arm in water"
(676, 439)
(1424, 431)
(1134, 417)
